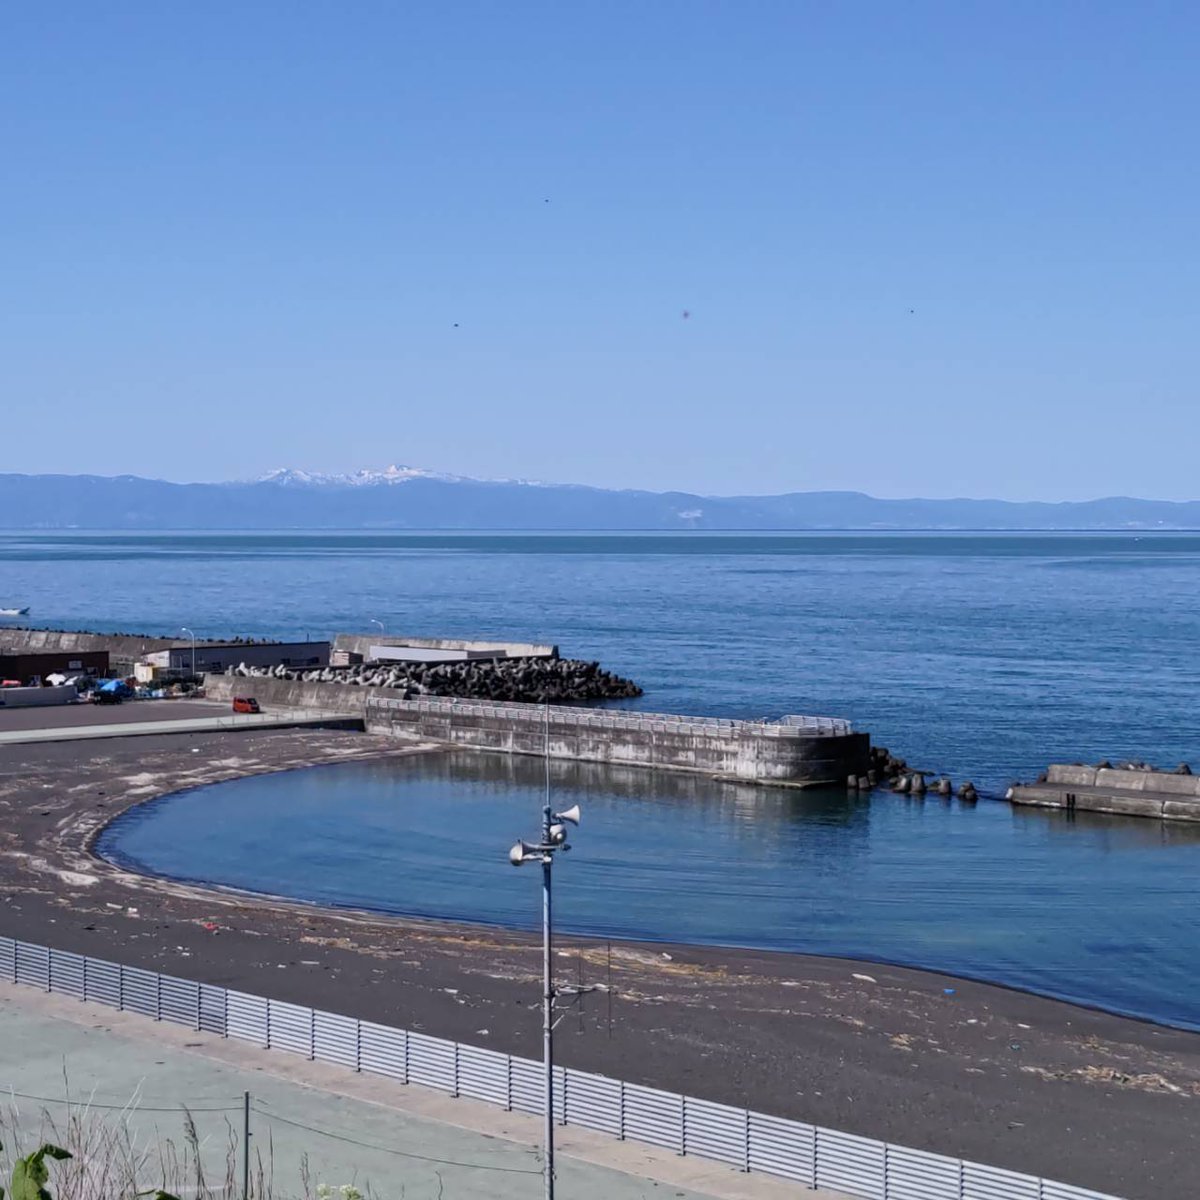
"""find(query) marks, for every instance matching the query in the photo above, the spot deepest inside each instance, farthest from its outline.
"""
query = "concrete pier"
(795, 751)
(1145, 793)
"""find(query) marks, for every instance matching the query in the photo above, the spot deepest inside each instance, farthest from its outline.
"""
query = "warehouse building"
(34, 668)
(214, 658)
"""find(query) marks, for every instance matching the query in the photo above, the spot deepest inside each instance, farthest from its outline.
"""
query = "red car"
(245, 704)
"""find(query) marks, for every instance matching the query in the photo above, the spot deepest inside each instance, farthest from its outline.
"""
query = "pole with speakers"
(554, 838)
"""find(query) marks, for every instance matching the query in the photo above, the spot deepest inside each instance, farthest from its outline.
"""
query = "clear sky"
(923, 248)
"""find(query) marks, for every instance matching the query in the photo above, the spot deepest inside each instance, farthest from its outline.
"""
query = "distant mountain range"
(399, 498)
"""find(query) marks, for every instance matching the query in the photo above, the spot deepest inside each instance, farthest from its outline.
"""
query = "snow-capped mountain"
(400, 498)
(396, 473)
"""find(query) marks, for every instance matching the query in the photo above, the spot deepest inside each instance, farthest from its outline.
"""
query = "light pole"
(376, 621)
(190, 634)
(554, 838)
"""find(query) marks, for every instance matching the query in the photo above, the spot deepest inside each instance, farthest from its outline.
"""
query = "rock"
(1182, 769)
(943, 787)
(501, 680)
(903, 785)
(917, 786)
(852, 783)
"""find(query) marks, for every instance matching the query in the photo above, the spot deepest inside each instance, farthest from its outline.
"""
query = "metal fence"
(600, 719)
(749, 1141)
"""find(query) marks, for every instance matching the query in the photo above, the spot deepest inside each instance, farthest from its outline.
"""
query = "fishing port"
(390, 747)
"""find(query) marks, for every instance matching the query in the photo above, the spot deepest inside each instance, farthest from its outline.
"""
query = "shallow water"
(1094, 909)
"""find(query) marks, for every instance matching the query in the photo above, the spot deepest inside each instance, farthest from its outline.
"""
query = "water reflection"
(1120, 831)
(1093, 908)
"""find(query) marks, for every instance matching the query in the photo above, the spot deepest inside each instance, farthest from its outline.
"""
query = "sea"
(985, 656)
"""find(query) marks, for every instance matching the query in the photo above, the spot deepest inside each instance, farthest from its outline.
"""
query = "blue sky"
(926, 249)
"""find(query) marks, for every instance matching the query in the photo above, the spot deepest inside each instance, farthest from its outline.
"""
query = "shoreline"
(985, 1072)
(455, 927)
(481, 926)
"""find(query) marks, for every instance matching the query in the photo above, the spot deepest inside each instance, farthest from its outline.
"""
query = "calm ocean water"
(986, 656)
(1095, 910)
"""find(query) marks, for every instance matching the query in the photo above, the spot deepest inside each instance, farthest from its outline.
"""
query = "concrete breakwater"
(534, 680)
(366, 646)
(795, 751)
(1133, 791)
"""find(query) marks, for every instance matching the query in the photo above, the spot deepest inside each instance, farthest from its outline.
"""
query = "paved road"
(404, 1141)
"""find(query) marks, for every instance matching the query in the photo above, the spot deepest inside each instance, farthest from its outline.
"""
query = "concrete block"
(1126, 781)
(1066, 773)
(1181, 810)
(1123, 804)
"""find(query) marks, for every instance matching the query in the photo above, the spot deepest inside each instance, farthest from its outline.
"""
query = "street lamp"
(554, 838)
(376, 621)
(190, 634)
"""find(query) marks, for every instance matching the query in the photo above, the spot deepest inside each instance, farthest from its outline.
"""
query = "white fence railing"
(749, 1141)
(601, 719)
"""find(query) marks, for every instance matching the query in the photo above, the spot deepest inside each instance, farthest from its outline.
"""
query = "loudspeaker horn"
(523, 852)
(572, 814)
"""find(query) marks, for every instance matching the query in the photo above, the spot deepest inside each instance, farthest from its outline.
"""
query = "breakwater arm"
(797, 752)
(1129, 792)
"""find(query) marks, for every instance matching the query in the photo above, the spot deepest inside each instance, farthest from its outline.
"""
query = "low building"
(214, 658)
(26, 668)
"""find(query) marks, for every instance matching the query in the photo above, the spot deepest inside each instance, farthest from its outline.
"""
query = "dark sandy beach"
(986, 1073)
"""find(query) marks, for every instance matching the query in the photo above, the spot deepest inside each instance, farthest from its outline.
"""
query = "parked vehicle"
(245, 704)
(112, 691)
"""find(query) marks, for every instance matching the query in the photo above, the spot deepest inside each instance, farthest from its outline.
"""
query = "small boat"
(14, 612)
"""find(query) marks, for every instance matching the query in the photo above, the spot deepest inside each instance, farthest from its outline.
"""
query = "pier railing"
(744, 1139)
(637, 722)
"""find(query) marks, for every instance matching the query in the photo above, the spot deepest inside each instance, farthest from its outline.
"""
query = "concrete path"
(406, 1141)
(226, 721)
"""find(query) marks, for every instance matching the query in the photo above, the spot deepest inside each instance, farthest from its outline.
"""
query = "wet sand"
(987, 1073)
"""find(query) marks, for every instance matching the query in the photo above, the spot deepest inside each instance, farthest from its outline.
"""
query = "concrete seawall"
(37, 697)
(123, 649)
(1155, 794)
(798, 755)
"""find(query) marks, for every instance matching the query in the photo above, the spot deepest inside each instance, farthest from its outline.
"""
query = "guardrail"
(634, 721)
(747, 1140)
